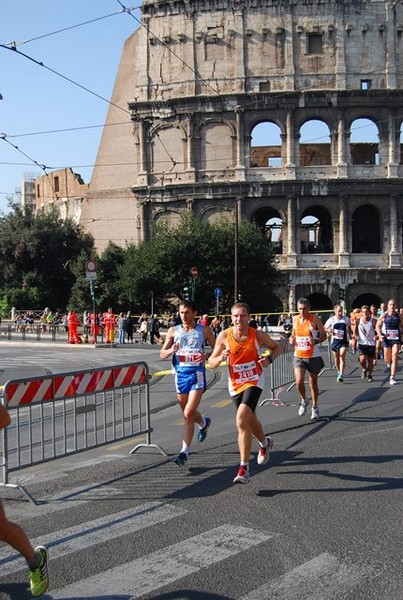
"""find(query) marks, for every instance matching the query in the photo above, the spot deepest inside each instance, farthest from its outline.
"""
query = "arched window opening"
(367, 299)
(316, 231)
(314, 144)
(364, 143)
(319, 302)
(270, 222)
(366, 230)
(265, 148)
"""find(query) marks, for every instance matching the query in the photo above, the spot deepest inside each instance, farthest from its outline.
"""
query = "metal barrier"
(282, 370)
(65, 413)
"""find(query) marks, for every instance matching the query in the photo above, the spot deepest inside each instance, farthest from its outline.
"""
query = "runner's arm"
(169, 347)
(220, 351)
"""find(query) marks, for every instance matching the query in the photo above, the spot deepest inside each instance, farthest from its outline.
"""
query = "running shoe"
(315, 413)
(392, 381)
(369, 379)
(38, 577)
(243, 475)
(202, 434)
(340, 378)
(363, 374)
(180, 460)
(263, 455)
(302, 407)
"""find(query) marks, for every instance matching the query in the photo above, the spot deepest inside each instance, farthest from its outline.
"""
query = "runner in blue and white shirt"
(184, 344)
(338, 326)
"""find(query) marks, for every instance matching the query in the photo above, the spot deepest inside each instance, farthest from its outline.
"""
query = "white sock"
(203, 423)
(264, 444)
(185, 449)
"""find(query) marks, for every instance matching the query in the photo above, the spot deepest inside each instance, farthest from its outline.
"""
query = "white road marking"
(98, 531)
(322, 578)
(158, 569)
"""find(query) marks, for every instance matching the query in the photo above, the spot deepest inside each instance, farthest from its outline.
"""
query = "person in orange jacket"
(109, 324)
(72, 324)
(95, 327)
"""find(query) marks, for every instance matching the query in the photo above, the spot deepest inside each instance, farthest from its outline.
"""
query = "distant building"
(64, 189)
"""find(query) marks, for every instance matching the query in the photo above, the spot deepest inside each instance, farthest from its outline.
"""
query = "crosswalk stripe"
(158, 569)
(322, 578)
(94, 532)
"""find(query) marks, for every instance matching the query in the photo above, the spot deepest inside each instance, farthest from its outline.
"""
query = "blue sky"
(36, 100)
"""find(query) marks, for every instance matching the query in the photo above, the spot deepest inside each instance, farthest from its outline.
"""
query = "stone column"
(290, 146)
(144, 220)
(142, 177)
(393, 144)
(341, 150)
(291, 237)
(240, 164)
(344, 256)
(394, 254)
(190, 168)
(292, 302)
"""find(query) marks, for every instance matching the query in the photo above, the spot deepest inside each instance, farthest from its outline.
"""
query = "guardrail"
(281, 371)
(62, 414)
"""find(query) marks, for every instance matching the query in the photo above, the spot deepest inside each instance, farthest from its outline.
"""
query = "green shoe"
(39, 578)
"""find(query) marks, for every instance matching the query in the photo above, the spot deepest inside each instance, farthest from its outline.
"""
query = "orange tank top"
(304, 342)
(244, 368)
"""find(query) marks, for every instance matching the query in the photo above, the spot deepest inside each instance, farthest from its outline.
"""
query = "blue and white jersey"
(392, 328)
(191, 343)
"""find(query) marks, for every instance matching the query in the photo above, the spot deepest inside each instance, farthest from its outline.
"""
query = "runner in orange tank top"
(307, 333)
(239, 346)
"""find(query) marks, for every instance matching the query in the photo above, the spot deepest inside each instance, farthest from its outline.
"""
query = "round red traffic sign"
(194, 271)
(91, 266)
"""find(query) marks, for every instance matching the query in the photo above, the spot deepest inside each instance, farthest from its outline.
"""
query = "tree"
(163, 265)
(37, 257)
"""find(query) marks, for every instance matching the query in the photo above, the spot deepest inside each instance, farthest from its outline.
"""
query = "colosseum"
(209, 111)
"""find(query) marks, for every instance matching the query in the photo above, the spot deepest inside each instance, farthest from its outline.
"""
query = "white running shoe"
(392, 381)
(263, 455)
(302, 407)
(315, 413)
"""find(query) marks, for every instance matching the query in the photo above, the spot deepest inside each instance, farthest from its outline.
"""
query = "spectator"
(129, 328)
(143, 330)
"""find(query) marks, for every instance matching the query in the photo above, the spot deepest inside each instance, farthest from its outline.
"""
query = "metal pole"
(152, 302)
(94, 309)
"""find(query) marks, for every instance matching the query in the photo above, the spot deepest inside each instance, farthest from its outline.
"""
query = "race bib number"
(187, 358)
(303, 342)
(245, 372)
(392, 334)
(338, 334)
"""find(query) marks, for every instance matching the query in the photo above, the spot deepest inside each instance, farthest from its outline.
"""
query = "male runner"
(184, 344)
(338, 326)
(392, 323)
(240, 345)
(15, 536)
(307, 332)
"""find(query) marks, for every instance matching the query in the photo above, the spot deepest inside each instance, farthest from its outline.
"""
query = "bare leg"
(189, 404)
(15, 536)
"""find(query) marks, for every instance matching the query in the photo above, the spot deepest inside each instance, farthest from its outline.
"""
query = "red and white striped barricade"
(66, 413)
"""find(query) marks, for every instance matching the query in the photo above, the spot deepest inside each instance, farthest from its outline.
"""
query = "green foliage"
(163, 265)
(42, 263)
(37, 256)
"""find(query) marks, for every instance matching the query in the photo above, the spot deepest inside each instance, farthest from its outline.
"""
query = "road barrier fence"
(57, 415)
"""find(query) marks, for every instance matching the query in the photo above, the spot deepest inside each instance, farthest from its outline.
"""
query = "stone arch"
(168, 149)
(368, 299)
(364, 141)
(271, 222)
(213, 215)
(217, 148)
(316, 234)
(266, 145)
(171, 217)
(314, 143)
(366, 230)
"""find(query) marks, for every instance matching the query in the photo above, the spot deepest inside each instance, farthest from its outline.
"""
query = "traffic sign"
(91, 266)
(194, 271)
(218, 292)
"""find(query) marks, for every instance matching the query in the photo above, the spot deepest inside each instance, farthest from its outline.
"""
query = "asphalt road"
(321, 521)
